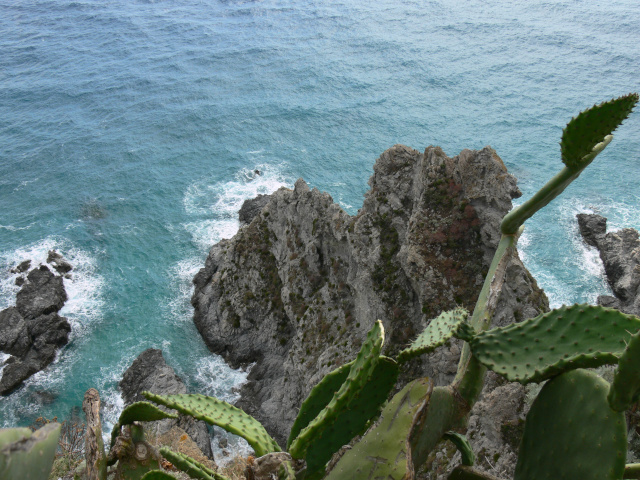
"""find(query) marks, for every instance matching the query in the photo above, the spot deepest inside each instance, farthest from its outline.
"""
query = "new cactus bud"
(439, 330)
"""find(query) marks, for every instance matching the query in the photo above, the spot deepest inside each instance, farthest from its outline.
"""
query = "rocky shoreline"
(296, 289)
(32, 331)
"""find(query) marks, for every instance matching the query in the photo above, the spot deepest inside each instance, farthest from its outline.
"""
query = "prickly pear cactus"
(385, 451)
(463, 446)
(353, 420)
(591, 127)
(28, 455)
(359, 375)
(157, 475)
(579, 336)
(626, 381)
(441, 329)
(222, 414)
(571, 432)
(190, 466)
(138, 412)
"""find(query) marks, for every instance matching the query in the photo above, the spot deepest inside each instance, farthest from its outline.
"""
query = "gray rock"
(43, 293)
(58, 262)
(14, 337)
(32, 331)
(620, 254)
(297, 289)
(22, 267)
(251, 208)
(150, 372)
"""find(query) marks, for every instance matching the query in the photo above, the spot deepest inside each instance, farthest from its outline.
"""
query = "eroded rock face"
(297, 289)
(32, 331)
(620, 254)
(151, 372)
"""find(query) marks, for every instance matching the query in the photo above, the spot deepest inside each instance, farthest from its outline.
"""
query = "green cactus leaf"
(353, 420)
(570, 432)
(626, 381)
(157, 475)
(463, 446)
(358, 376)
(138, 412)
(385, 451)
(11, 435)
(579, 336)
(190, 466)
(591, 126)
(318, 398)
(28, 456)
(286, 471)
(219, 413)
(437, 333)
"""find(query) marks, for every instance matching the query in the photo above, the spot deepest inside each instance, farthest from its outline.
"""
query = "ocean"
(130, 131)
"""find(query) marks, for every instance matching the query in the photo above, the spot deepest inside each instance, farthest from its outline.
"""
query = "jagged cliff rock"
(32, 331)
(620, 254)
(296, 290)
(150, 372)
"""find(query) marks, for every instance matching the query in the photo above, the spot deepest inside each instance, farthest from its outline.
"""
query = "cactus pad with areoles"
(220, 413)
(138, 412)
(437, 333)
(579, 336)
(359, 374)
(385, 451)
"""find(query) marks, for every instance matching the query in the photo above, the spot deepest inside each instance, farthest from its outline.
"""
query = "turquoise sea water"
(129, 131)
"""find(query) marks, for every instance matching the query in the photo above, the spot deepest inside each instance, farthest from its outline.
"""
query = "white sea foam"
(215, 378)
(215, 207)
(182, 274)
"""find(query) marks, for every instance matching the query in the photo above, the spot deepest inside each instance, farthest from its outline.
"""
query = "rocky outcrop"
(150, 372)
(32, 331)
(252, 207)
(620, 254)
(296, 290)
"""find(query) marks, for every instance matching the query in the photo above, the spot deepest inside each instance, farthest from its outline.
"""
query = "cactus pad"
(626, 381)
(138, 412)
(286, 471)
(353, 419)
(571, 432)
(591, 127)
(30, 455)
(441, 329)
(190, 466)
(318, 398)
(359, 374)
(463, 446)
(579, 336)
(384, 451)
(157, 475)
(219, 413)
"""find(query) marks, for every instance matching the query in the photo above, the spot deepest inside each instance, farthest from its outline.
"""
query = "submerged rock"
(296, 290)
(151, 372)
